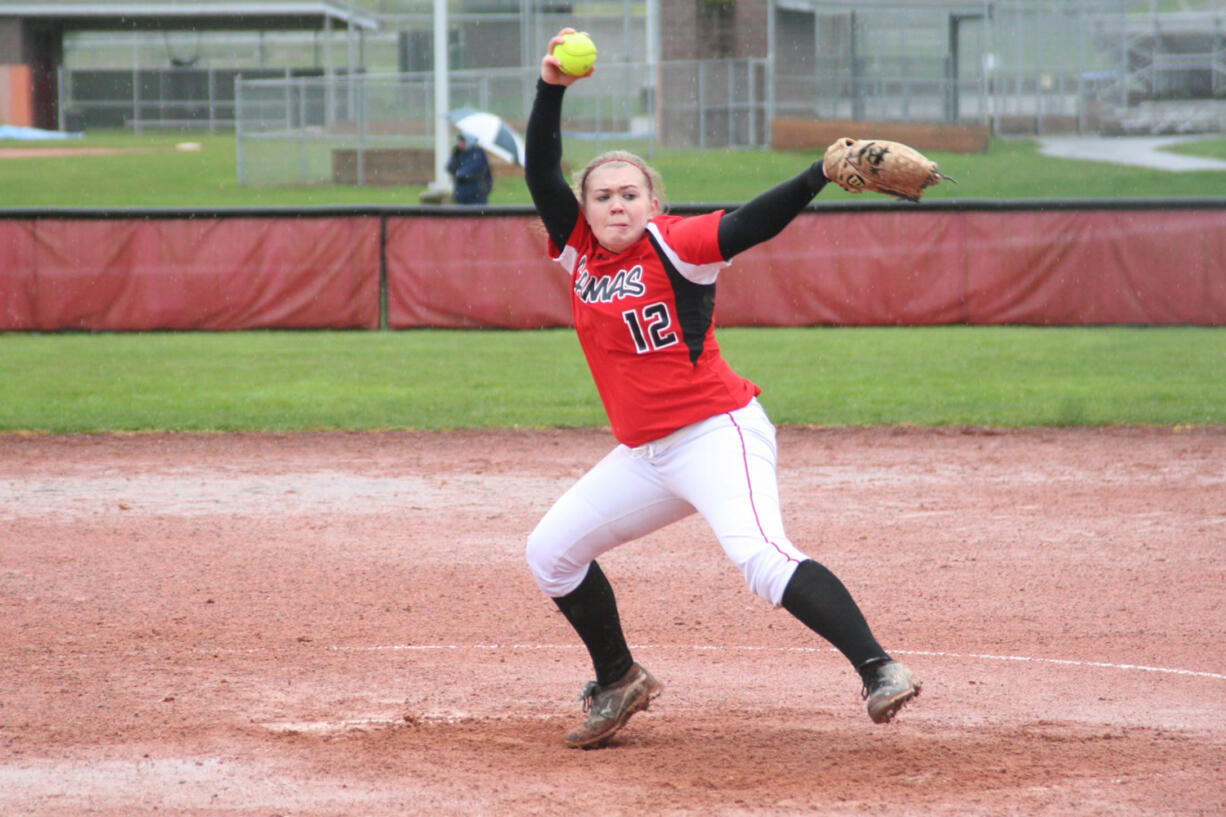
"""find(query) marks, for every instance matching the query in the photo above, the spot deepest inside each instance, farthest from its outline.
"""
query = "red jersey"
(646, 321)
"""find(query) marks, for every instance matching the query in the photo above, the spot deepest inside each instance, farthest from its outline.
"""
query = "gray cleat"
(891, 687)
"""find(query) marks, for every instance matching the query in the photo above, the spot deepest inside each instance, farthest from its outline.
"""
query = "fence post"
(751, 135)
(330, 74)
(136, 99)
(771, 103)
(289, 103)
(302, 128)
(358, 111)
(238, 128)
(702, 106)
(62, 96)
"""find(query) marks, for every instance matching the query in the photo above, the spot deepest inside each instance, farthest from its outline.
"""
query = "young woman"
(692, 435)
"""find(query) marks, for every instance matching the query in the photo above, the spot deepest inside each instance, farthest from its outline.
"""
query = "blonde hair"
(655, 181)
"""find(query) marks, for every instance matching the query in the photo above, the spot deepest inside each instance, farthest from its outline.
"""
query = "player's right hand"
(551, 66)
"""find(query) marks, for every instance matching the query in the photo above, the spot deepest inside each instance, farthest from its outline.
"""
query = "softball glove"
(880, 166)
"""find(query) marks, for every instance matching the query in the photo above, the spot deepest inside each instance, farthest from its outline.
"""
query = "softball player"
(692, 435)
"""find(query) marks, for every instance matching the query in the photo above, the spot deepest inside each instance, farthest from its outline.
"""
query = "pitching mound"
(343, 624)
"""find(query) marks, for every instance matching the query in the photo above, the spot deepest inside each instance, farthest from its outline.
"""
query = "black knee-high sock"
(821, 602)
(592, 610)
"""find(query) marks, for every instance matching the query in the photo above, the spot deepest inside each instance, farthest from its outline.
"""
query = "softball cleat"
(611, 706)
(891, 686)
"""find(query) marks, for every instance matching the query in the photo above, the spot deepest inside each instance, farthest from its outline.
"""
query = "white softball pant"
(722, 467)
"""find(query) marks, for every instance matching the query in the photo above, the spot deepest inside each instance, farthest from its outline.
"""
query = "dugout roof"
(204, 15)
(32, 33)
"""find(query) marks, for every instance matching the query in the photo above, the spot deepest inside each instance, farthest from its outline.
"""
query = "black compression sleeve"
(767, 214)
(543, 164)
(820, 600)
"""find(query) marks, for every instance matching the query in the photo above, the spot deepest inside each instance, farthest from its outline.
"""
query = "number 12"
(658, 323)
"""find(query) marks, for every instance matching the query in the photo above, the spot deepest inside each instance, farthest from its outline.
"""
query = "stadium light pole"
(653, 34)
(653, 67)
(442, 96)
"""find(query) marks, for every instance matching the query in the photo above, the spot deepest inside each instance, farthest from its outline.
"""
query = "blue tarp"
(31, 134)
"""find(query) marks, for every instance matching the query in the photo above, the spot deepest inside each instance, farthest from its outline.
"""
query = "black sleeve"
(767, 214)
(554, 200)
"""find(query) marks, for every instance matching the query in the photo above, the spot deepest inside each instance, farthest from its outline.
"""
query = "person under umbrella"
(470, 169)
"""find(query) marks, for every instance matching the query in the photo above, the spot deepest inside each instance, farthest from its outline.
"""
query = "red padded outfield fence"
(1058, 262)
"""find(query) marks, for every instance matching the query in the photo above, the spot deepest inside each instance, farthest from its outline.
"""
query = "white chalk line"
(1029, 659)
(1071, 662)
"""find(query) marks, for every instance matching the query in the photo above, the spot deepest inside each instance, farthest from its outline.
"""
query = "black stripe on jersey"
(695, 303)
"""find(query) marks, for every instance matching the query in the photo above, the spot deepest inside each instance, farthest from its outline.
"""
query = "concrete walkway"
(1142, 151)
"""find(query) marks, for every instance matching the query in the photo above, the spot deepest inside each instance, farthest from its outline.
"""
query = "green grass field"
(155, 174)
(1211, 148)
(990, 376)
(427, 379)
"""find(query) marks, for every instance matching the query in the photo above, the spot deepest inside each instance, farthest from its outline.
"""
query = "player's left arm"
(765, 216)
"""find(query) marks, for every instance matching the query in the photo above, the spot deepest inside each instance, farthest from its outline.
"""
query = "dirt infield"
(59, 153)
(343, 624)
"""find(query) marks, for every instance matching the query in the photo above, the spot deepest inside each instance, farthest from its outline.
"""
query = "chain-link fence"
(148, 99)
(1021, 66)
(1056, 66)
(380, 129)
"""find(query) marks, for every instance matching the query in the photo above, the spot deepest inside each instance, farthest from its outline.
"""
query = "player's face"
(618, 204)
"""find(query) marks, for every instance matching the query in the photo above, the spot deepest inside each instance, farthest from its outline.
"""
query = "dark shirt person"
(470, 170)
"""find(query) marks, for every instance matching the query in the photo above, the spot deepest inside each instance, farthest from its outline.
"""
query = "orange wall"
(16, 101)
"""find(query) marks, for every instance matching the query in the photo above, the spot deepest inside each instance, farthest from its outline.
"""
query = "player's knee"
(768, 574)
(553, 574)
(537, 555)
